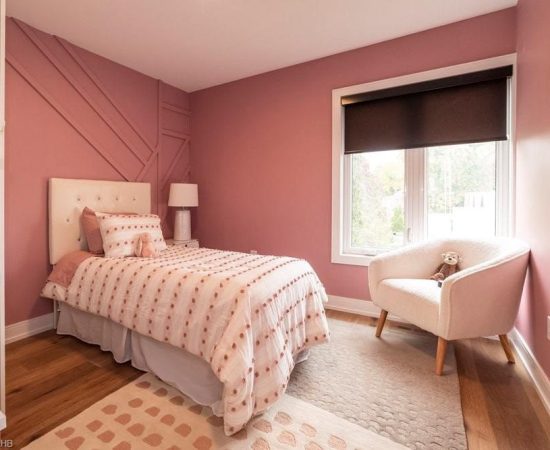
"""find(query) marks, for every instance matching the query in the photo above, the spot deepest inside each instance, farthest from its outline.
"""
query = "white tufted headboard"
(67, 199)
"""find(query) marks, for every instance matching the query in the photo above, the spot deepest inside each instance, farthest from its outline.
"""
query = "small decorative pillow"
(91, 230)
(90, 226)
(145, 247)
(120, 233)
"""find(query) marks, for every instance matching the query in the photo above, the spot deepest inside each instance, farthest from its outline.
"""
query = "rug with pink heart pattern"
(149, 414)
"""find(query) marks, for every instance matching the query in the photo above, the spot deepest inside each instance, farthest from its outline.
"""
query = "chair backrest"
(483, 250)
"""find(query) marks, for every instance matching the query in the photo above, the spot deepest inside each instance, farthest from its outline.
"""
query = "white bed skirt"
(176, 367)
(186, 372)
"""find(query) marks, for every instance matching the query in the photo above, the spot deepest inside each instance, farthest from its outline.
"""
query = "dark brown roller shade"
(453, 110)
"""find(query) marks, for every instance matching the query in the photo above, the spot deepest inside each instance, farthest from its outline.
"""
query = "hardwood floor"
(52, 378)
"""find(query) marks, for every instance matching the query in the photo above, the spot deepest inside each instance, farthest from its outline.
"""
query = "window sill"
(351, 259)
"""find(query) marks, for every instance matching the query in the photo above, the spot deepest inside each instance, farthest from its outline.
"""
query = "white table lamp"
(183, 195)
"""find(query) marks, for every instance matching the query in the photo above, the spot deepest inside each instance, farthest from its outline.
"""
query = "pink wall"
(257, 143)
(73, 114)
(533, 162)
(262, 146)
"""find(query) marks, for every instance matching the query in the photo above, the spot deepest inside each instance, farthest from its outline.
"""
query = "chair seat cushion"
(415, 300)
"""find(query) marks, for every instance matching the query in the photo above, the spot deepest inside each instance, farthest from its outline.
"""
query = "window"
(399, 196)
(386, 198)
(462, 189)
(376, 201)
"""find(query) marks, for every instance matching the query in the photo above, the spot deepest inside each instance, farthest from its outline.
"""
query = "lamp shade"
(183, 194)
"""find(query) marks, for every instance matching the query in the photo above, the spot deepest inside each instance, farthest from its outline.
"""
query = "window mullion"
(415, 194)
(421, 231)
(502, 188)
(347, 204)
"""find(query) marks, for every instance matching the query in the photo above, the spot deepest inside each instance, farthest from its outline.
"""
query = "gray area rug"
(385, 385)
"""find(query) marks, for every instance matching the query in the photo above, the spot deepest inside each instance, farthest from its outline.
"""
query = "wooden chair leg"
(507, 348)
(440, 356)
(381, 322)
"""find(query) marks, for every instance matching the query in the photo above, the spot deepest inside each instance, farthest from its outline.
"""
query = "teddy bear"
(448, 268)
(145, 247)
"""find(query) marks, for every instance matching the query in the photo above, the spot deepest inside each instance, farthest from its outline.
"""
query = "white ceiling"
(194, 44)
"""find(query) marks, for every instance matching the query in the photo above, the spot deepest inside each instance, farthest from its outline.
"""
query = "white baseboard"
(26, 328)
(356, 306)
(539, 377)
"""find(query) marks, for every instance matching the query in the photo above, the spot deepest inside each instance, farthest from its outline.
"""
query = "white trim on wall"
(534, 369)
(338, 254)
(26, 328)
(356, 306)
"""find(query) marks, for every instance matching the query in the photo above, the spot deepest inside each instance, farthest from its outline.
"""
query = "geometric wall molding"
(121, 144)
(72, 114)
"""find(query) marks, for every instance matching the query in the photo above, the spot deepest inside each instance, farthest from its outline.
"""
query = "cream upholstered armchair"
(481, 299)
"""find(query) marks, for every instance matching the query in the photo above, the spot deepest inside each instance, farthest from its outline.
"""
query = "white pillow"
(120, 232)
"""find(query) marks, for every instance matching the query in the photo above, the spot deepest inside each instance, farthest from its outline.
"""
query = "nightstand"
(191, 243)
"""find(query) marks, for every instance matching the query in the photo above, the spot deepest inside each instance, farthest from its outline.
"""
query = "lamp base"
(182, 225)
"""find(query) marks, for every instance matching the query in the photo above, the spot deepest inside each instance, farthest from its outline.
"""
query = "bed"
(225, 328)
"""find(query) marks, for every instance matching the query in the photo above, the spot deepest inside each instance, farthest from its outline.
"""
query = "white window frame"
(415, 162)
